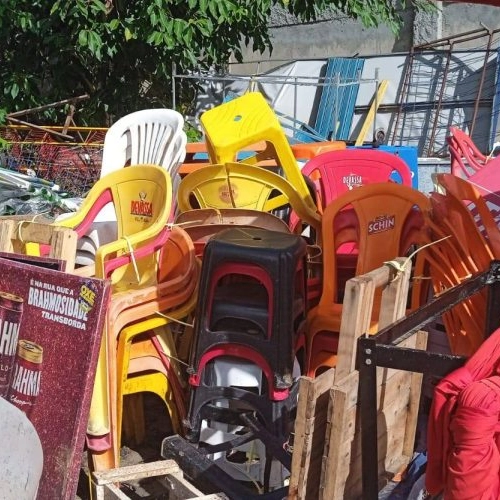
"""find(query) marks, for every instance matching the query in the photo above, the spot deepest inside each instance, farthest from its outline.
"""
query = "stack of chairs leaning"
(228, 281)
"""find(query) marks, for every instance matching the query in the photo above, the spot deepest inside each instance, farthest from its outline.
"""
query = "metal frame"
(382, 350)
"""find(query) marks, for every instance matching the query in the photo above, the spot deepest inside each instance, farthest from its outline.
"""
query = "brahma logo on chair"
(381, 223)
(352, 180)
(141, 206)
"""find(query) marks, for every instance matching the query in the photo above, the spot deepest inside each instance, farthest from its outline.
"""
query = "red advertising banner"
(50, 331)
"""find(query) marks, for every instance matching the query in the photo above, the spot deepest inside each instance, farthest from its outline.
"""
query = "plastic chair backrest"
(237, 185)
(453, 219)
(203, 223)
(336, 172)
(149, 136)
(465, 192)
(230, 216)
(448, 264)
(243, 122)
(465, 156)
(379, 218)
(142, 198)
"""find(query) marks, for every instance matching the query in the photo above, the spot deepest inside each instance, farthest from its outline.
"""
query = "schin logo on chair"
(141, 206)
(382, 223)
(352, 181)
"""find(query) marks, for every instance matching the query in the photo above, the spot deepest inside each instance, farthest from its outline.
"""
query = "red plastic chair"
(466, 159)
(335, 172)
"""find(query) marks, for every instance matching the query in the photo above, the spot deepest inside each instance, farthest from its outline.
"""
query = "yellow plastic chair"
(238, 185)
(175, 291)
(142, 368)
(243, 122)
(142, 198)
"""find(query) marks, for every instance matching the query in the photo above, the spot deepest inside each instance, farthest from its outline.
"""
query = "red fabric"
(461, 415)
(474, 461)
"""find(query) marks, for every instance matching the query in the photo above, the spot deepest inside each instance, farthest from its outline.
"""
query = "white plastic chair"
(227, 371)
(149, 136)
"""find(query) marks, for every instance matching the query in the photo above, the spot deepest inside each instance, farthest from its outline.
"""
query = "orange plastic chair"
(202, 223)
(452, 218)
(464, 323)
(465, 192)
(245, 121)
(466, 159)
(307, 150)
(388, 224)
(450, 261)
(174, 295)
(238, 185)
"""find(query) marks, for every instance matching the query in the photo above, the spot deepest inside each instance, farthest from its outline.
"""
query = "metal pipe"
(440, 101)
(405, 91)
(481, 82)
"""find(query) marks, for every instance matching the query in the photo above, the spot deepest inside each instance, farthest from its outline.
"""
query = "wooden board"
(326, 456)
(105, 483)
(15, 235)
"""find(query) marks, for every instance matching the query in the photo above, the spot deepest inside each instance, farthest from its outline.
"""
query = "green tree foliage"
(121, 52)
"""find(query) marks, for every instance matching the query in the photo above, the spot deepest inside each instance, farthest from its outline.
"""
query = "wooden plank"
(309, 433)
(110, 492)
(356, 316)
(343, 432)
(395, 296)
(338, 427)
(339, 419)
(370, 116)
(390, 444)
(134, 472)
(421, 338)
(16, 235)
(179, 488)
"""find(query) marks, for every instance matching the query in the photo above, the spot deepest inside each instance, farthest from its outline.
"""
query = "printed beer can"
(26, 378)
(11, 310)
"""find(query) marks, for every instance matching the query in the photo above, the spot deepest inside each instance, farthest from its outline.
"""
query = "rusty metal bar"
(404, 93)
(481, 82)
(440, 101)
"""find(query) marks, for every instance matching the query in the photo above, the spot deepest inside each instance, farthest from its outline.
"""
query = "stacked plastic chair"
(154, 275)
(148, 136)
(246, 121)
(336, 172)
(247, 329)
(464, 252)
(466, 159)
(384, 221)
(203, 223)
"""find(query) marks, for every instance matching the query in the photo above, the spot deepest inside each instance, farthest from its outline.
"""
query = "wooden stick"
(71, 100)
(37, 127)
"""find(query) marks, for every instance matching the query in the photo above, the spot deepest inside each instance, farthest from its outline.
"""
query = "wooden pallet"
(170, 476)
(16, 232)
(326, 462)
